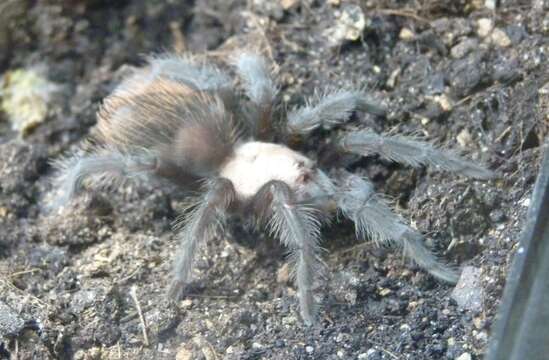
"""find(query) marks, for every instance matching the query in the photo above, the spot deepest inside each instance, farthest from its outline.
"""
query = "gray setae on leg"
(374, 219)
(298, 228)
(101, 167)
(330, 109)
(199, 225)
(410, 152)
(260, 89)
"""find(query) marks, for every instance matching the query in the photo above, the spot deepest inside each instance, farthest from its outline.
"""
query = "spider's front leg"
(260, 89)
(298, 228)
(374, 219)
(200, 225)
(411, 152)
(330, 109)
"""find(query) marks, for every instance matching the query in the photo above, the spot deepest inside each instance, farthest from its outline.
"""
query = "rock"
(406, 34)
(349, 26)
(26, 98)
(464, 356)
(272, 9)
(464, 138)
(183, 353)
(468, 292)
(80, 222)
(288, 4)
(464, 47)
(490, 4)
(283, 274)
(466, 74)
(10, 322)
(484, 27)
(344, 287)
(500, 38)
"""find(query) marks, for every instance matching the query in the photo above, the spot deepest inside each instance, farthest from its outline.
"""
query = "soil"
(71, 282)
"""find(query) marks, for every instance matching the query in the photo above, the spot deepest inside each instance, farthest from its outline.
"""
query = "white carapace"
(253, 164)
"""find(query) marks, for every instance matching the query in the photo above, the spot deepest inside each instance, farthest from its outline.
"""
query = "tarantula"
(182, 119)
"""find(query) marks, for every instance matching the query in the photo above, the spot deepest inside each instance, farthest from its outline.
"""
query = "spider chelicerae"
(184, 120)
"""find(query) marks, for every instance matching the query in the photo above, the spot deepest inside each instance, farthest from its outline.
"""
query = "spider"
(183, 120)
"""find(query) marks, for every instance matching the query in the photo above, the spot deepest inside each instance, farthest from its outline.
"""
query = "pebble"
(385, 292)
(464, 138)
(26, 98)
(406, 34)
(464, 47)
(183, 353)
(468, 292)
(288, 4)
(10, 322)
(309, 349)
(349, 26)
(464, 356)
(484, 27)
(490, 4)
(500, 38)
(283, 274)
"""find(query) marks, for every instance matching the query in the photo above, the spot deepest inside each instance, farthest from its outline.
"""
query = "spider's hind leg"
(374, 219)
(100, 167)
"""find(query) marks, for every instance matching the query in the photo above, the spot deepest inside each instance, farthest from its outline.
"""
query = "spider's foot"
(176, 290)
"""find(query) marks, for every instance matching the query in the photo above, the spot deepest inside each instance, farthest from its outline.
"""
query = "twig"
(380, 347)
(18, 273)
(133, 293)
(403, 13)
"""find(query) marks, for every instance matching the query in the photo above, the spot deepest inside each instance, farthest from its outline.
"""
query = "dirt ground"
(469, 74)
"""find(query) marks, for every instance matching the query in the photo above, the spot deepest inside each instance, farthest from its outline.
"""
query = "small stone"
(288, 4)
(451, 341)
(391, 82)
(500, 38)
(183, 353)
(490, 4)
(95, 353)
(464, 47)
(464, 138)
(283, 274)
(309, 349)
(444, 102)
(26, 98)
(468, 292)
(186, 303)
(484, 27)
(464, 356)
(349, 26)
(478, 322)
(384, 292)
(10, 322)
(406, 34)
